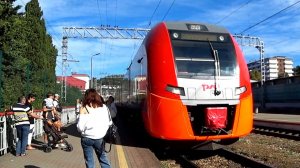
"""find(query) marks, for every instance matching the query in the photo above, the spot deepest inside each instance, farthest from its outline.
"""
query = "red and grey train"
(191, 83)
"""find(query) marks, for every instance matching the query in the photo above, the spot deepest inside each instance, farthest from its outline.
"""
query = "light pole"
(101, 82)
(91, 86)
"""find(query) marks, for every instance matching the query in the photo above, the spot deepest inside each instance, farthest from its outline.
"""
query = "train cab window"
(194, 58)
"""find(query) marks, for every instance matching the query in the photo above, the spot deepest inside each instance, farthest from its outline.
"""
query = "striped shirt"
(21, 113)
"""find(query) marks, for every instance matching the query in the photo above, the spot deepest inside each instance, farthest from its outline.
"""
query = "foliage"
(110, 84)
(73, 93)
(283, 75)
(296, 71)
(255, 75)
(29, 57)
(111, 80)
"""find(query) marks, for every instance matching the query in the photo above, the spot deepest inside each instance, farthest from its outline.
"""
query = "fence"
(282, 93)
(8, 134)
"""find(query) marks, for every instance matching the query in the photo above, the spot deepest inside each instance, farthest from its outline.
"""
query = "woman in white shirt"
(93, 122)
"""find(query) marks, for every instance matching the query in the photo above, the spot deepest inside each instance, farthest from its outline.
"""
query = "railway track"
(184, 162)
(278, 129)
(241, 159)
(224, 157)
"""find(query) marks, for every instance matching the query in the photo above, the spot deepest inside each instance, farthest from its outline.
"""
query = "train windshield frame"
(194, 57)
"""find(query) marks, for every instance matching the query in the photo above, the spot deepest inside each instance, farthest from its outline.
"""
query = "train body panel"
(164, 118)
(196, 83)
(161, 69)
(202, 91)
(244, 119)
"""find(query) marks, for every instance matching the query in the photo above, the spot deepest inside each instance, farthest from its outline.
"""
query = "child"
(53, 118)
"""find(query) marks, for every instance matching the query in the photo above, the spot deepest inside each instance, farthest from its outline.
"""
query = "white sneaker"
(62, 145)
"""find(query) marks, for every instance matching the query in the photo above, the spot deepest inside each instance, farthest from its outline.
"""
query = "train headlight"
(240, 90)
(221, 38)
(175, 90)
(175, 35)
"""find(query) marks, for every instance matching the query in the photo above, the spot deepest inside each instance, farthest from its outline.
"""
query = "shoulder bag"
(111, 134)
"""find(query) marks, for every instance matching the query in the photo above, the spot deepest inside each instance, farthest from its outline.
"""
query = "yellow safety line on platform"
(121, 154)
(121, 157)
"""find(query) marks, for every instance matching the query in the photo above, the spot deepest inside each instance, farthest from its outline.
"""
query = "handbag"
(111, 134)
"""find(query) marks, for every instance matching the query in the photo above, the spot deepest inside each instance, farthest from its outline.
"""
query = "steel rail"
(241, 159)
(185, 162)
(288, 130)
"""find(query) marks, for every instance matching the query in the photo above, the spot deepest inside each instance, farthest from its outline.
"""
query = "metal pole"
(95, 85)
(91, 86)
(63, 62)
(1, 93)
(27, 79)
(62, 80)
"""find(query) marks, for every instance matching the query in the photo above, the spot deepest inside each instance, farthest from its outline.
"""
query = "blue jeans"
(22, 135)
(88, 145)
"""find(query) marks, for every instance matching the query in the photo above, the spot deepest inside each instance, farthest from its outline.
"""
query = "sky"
(276, 23)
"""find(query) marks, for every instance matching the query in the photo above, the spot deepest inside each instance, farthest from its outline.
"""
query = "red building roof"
(71, 81)
(79, 75)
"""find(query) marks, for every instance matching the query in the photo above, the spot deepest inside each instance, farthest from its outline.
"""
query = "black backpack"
(58, 107)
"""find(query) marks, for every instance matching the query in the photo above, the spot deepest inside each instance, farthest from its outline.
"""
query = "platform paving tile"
(278, 117)
(121, 155)
(57, 158)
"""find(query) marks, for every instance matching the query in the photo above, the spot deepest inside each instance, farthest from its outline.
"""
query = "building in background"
(80, 81)
(83, 77)
(275, 67)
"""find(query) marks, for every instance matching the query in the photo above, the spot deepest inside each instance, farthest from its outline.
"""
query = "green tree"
(12, 43)
(296, 71)
(73, 93)
(29, 57)
(283, 75)
(255, 75)
(41, 50)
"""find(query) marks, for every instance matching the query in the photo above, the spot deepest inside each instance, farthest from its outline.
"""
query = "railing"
(3, 141)
(8, 135)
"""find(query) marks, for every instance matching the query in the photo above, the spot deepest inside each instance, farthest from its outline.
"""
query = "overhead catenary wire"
(250, 27)
(279, 42)
(101, 23)
(234, 11)
(106, 13)
(168, 11)
(50, 27)
(150, 21)
(270, 23)
(99, 11)
(23, 2)
(58, 65)
(116, 12)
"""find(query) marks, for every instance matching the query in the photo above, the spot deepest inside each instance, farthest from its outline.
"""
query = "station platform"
(130, 150)
(292, 118)
(126, 153)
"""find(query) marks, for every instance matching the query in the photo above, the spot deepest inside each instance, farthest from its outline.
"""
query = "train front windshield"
(194, 57)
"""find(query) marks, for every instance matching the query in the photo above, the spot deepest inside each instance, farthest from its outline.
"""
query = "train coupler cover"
(215, 117)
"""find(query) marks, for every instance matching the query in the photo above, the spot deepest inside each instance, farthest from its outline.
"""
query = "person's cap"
(56, 95)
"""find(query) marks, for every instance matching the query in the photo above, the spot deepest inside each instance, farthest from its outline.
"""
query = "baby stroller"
(55, 138)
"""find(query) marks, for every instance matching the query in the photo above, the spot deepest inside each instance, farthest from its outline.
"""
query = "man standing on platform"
(32, 116)
(22, 125)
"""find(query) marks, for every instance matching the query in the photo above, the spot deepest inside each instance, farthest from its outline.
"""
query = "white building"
(83, 77)
(274, 67)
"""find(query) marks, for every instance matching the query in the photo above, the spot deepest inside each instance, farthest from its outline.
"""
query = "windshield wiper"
(217, 68)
